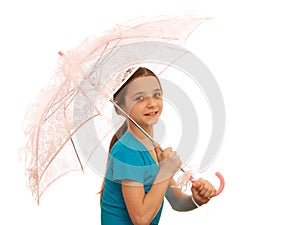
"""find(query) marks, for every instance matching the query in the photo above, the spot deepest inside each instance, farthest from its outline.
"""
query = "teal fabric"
(129, 159)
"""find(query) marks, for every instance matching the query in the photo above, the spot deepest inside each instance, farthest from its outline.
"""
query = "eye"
(139, 98)
(157, 95)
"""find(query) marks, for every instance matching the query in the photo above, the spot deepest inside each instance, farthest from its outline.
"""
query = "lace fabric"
(53, 119)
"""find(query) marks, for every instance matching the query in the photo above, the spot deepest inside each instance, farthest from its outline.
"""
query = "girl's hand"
(202, 191)
(169, 162)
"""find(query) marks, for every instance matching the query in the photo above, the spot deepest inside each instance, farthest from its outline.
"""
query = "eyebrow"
(142, 92)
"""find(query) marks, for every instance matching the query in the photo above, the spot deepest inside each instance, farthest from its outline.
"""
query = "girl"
(139, 175)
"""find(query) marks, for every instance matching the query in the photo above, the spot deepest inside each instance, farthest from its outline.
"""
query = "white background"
(251, 47)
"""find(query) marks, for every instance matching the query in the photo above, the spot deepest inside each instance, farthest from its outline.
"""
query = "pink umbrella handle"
(222, 184)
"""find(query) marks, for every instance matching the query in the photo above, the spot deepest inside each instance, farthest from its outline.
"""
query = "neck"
(141, 136)
(138, 133)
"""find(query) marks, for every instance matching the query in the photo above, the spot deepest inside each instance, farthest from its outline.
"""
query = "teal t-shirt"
(130, 160)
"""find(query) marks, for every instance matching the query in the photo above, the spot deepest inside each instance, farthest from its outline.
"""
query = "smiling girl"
(139, 175)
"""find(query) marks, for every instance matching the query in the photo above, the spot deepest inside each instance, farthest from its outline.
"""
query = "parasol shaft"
(139, 127)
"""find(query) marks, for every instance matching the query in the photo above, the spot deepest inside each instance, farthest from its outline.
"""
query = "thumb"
(157, 150)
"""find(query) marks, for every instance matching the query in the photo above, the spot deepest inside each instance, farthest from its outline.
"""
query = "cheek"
(161, 106)
(132, 108)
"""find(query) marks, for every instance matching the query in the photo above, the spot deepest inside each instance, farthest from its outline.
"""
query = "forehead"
(143, 84)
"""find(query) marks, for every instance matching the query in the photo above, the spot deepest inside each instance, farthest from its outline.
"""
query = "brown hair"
(118, 97)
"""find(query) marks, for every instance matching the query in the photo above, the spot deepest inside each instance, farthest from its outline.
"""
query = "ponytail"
(120, 132)
(118, 135)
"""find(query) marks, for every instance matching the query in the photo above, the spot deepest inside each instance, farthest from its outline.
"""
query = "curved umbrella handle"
(222, 184)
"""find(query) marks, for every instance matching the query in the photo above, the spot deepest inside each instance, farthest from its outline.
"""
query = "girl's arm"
(202, 192)
(142, 207)
(179, 200)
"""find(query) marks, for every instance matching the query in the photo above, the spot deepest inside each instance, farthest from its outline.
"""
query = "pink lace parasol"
(49, 123)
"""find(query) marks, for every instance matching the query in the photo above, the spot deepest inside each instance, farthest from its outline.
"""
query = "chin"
(153, 121)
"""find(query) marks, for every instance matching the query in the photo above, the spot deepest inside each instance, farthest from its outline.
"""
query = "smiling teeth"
(151, 114)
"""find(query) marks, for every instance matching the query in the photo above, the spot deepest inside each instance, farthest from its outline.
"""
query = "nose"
(151, 102)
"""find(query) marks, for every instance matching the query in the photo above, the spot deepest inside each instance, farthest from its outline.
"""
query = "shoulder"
(127, 153)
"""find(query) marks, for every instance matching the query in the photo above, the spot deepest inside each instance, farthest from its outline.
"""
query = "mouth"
(152, 114)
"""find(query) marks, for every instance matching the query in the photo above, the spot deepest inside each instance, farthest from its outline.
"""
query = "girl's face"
(143, 100)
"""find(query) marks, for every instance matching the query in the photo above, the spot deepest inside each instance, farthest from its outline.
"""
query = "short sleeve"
(127, 164)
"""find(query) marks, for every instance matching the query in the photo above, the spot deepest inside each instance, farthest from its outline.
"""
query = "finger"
(203, 190)
(194, 191)
(206, 194)
(199, 182)
(197, 185)
(168, 150)
(167, 153)
(157, 150)
(212, 190)
(208, 191)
